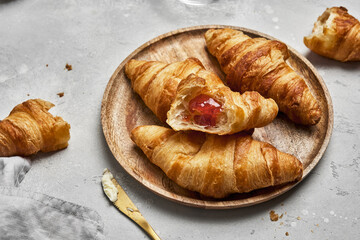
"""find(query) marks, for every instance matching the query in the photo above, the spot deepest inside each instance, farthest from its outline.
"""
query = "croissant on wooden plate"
(258, 64)
(336, 35)
(197, 98)
(214, 165)
(30, 128)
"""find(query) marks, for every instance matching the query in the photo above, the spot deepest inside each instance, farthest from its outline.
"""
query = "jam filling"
(204, 110)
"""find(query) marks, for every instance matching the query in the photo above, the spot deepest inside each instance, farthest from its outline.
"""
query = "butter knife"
(120, 199)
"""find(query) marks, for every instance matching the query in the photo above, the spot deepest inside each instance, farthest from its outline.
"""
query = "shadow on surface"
(108, 157)
(6, 1)
(44, 155)
(321, 61)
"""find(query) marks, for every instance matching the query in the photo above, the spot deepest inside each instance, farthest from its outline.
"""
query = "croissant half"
(258, 64)
(214, 165)
(200, 100)
(336, 35)
(217, 109)
(30, 128)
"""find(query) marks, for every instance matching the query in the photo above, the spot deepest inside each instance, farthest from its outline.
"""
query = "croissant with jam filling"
(216, 109)
(214, 165)
(200, 100)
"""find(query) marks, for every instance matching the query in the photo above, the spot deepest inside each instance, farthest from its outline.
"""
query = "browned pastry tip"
(156, 82)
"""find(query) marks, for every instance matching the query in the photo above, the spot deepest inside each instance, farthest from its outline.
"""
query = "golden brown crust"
(259, 65)
(244, 64)
(31, 128)
(213, 165)
(336, 35)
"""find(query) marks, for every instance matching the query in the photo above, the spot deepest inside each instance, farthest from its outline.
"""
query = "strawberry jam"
(204, 110)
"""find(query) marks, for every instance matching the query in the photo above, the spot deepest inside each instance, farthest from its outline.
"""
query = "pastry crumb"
(60, 94)
(298, 218)
(28, 94)
(273, 216)
(68, 67)
(287, 234)
(47, 65)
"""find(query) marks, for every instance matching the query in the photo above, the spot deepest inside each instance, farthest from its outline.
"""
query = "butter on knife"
(121, 201)
(108, 186)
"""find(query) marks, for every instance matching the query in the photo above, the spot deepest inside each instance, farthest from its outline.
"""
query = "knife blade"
(124, 204)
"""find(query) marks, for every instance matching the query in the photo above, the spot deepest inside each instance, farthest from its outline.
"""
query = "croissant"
(258, 64)
(216, 109)
(213, 165)
(30, 128)
(198, 98)
(336, 35)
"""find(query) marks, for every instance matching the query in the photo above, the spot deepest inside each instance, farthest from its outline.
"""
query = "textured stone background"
(94, 37)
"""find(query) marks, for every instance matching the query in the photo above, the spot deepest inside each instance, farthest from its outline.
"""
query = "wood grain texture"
(122, 110)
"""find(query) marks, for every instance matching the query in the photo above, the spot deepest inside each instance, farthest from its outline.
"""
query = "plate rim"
(215, 204)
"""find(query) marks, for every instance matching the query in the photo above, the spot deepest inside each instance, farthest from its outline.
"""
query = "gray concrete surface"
(37, 39)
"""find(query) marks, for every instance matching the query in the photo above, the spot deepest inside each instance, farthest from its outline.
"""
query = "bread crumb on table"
(60, 94)
(273, 216)
(287, 234)
(68, 67)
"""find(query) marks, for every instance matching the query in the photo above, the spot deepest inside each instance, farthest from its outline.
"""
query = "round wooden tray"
(122, 110)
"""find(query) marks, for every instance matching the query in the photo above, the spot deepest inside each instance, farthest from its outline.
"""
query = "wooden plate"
(122, 110)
